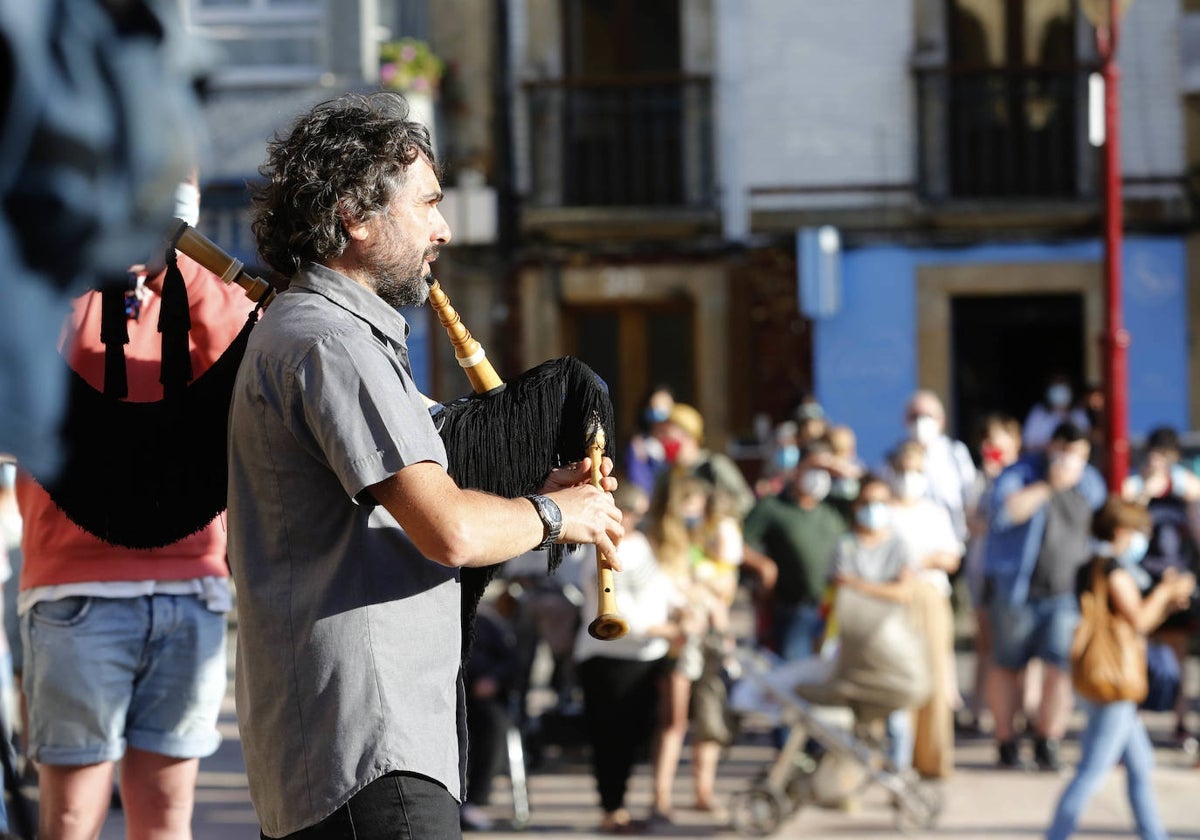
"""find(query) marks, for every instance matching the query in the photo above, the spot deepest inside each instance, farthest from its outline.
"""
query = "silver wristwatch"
(551, 518)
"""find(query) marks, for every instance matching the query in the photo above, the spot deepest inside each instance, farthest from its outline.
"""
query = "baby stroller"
(838, 704)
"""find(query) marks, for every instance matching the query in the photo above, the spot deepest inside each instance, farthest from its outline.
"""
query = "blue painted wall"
(865, 364)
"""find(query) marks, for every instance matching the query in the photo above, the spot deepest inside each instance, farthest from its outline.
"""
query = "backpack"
(1108, 656)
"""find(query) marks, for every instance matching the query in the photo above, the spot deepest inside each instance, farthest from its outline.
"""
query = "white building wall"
(820, 93)
(826, 96)
(1148, 54)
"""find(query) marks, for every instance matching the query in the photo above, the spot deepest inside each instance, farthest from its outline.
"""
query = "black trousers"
(620, 705)
(398, 806)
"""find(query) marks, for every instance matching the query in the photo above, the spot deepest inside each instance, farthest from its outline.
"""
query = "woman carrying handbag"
(1114, 732)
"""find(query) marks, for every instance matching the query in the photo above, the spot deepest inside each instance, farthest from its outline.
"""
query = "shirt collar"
(354, 298)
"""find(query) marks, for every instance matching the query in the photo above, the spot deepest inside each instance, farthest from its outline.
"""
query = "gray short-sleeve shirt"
(348, 637)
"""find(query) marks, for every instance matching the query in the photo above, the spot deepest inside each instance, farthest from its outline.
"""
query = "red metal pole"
(1116, 338)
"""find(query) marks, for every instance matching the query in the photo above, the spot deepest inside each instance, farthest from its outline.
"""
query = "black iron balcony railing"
(1004, 134)
(644, 141)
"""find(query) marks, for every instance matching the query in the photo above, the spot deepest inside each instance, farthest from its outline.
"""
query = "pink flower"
(387, 73)
(421, 84)
(408, 52)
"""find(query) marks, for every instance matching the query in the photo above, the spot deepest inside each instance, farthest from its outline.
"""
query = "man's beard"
(397, 290)
(399, 278)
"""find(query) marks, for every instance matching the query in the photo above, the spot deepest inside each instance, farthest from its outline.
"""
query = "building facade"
(751, 200)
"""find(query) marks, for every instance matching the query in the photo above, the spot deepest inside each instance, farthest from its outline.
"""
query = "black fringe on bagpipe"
(146, 474)
(507, 442)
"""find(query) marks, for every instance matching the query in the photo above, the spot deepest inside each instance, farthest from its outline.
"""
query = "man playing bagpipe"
(347, 534)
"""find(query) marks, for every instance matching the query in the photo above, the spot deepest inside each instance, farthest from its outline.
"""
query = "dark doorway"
(634, 348)
(1004, 349)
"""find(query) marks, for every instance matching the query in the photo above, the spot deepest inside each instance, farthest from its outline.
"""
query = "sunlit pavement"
(980, 801)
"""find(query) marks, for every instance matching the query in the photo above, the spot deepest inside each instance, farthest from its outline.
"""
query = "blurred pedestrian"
(874, 561)
(677, 531)
(1056, 407)
(1040, 531)
(490, 679)
(925, 527)
(845, 469)
(1170, 492)
(125, 648)
(1114, 733)
(948, 465)
(645, 456)
(683, 437)
(813, 423)
(798, 530)
(621, 677)
(999, 448)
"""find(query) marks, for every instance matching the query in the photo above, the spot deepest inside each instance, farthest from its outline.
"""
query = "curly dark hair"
(343, 159)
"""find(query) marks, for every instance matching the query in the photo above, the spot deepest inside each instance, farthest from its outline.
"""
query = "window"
(263, 41)
(1012, 96)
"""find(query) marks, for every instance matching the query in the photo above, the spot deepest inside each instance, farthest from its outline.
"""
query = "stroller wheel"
(758, 812)
(920, 807)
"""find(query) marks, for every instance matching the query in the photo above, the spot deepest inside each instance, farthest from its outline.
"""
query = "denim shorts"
(1040, 629)
(105, 673)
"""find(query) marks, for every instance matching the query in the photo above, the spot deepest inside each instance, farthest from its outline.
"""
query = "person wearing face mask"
(645, 456)
(798, 530)
(948, 465)
(683, 439)
(925, 528)
(1114, 732)
(999, 448)
(1057, 406)
(695, 542)
(875, 561)
(1040, 529)
(1170, 492)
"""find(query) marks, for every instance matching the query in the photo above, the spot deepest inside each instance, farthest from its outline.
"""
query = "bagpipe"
(505, 439)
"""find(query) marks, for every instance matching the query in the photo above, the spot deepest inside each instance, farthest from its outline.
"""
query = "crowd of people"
(1001, 533)
(346, 532)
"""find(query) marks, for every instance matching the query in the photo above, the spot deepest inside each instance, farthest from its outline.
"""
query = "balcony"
(643, 142)
(1013, 136)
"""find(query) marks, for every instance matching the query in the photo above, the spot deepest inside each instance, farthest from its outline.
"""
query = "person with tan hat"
(683, 440)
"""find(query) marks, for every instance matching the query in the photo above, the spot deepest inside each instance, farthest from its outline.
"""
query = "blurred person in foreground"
(1114, 733)
(949, 470)
(873, 560)
(125, 648)
(798, 531)
(683, 437)
(1041, 515)
(620, 678)
(645, 456)
(346, 534)
(1170, 492)
(925, 527)
(999, 448)
(1056, 407)
(697, 544)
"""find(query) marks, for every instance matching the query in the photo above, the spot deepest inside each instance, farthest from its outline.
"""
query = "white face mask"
(187, 203)
(924, 430)
(815, 483)
(911, 485)
(874, 516)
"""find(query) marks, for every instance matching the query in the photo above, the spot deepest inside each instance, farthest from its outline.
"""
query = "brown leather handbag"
(1108, 656)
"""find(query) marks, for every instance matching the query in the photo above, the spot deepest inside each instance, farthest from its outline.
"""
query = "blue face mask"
(657, 415)
(1139, 544)
(692, 522)
(874, 516)
(787, 457)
